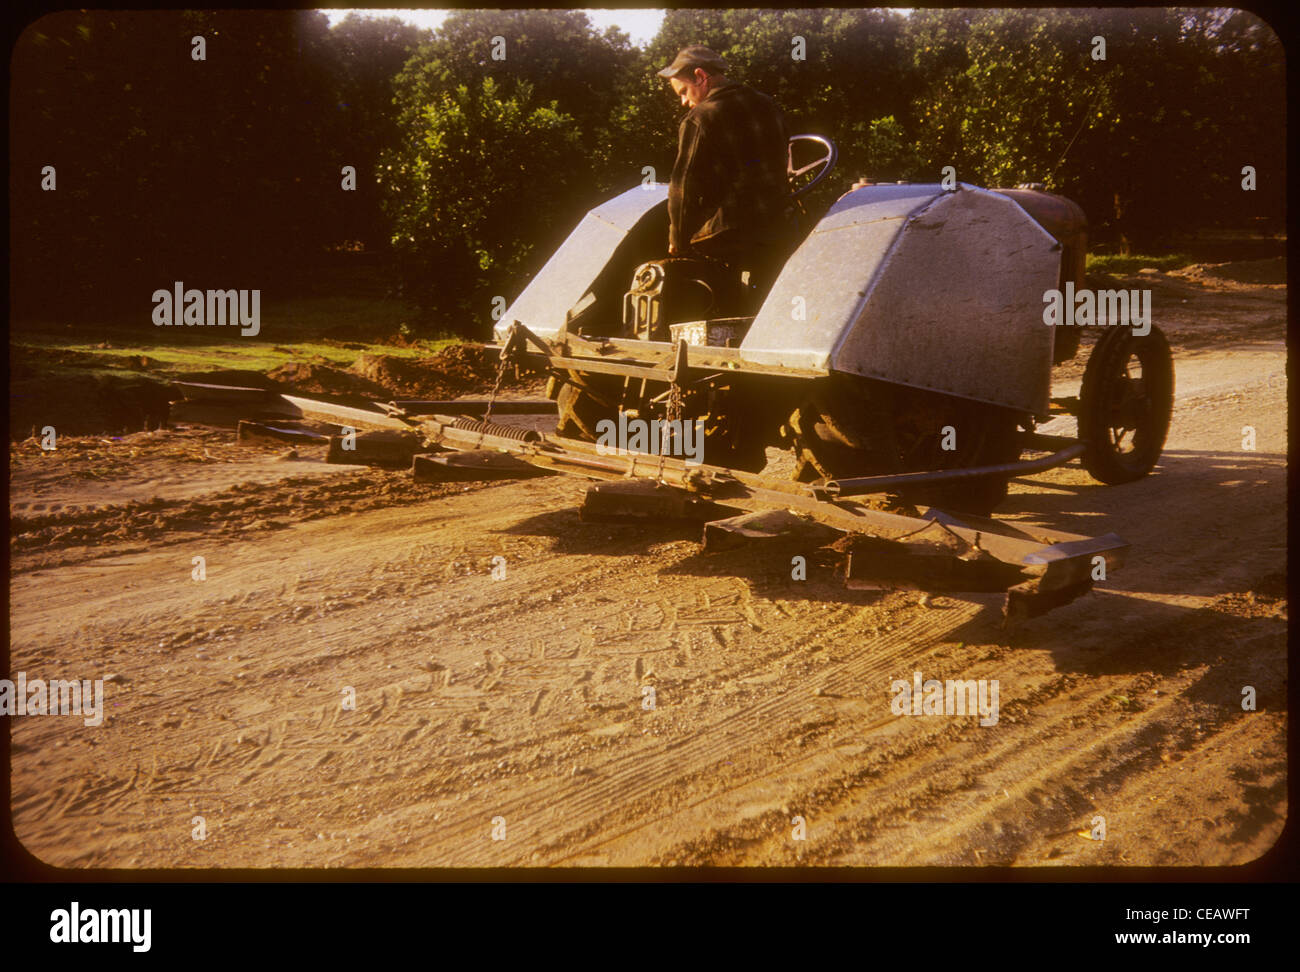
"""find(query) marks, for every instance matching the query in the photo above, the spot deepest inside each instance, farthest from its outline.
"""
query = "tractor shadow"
(1203, 523)
(572, 536)
(1204, 587)
(1177, 469)
(1235, 640)
(767, 566)
(1207, 528)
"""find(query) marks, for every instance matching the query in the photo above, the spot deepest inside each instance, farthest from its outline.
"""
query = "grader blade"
(472, 465)
(645, 501)
(1039, 569)
(737, 531)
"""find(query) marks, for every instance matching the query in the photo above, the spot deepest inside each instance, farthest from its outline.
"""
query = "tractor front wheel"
(1125, 404)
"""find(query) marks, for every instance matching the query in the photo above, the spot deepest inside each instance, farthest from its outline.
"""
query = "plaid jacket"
(730, 172)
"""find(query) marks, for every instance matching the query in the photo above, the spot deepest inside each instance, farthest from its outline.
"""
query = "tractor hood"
(583, 256)
(911, 284)
(919, 286)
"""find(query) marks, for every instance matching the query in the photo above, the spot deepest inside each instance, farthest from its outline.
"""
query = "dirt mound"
(1271, 272)
(303, 376)
(466, 363)
(403, 377)
(455, 370)
(90, 405)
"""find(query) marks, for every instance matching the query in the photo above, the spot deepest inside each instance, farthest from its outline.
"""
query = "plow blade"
(736, 531)
(1038, 568)
(472, 465)
(645, 501)
(1071, 562)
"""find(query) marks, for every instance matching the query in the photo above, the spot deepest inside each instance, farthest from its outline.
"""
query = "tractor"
(902, 347)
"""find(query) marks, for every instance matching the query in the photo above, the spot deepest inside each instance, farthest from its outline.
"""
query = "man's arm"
(685, 187)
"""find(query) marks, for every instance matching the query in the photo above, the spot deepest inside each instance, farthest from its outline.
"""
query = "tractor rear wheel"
(583, 402)
(936, 431)
(856, 427)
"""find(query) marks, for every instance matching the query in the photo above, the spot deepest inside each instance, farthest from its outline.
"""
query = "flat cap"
(695, 56)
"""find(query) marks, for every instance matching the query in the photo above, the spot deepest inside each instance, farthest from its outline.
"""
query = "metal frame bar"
(1057, 566)
(635, 358)
(753, 491)
(863, 485)
(732, 486)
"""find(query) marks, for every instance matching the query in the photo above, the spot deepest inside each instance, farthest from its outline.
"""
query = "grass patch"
(291, 331)
(246, 354)
(1114, 263)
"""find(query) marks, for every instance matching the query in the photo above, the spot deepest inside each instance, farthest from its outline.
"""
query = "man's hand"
(672, 250)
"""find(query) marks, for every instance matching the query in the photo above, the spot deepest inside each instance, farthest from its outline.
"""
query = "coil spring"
(492, 428)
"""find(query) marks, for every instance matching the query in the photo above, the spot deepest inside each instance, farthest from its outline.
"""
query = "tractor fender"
(920, 286)
(600, 242)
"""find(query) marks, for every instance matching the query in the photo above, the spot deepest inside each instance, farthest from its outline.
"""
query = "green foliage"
(881, 151)
(475, 168)
(1149, 141)
(499, 158)
(1114, 263)
(557, 53)
(475, 185)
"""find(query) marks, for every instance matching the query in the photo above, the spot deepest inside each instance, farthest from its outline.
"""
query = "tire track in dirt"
(161, 703)
(221, 756)
(849, 710)
(629, 776)
(522, 697)
(961, 790)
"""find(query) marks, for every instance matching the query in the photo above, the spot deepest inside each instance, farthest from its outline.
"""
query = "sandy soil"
(517, 707)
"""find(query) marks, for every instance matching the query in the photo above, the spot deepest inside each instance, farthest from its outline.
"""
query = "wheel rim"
(1130, 416)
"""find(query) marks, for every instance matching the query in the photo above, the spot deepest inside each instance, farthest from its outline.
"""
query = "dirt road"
(620, 698)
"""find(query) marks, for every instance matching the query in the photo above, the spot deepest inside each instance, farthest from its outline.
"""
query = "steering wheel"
(826, 161)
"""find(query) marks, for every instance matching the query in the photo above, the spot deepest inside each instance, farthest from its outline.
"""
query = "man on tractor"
(729, 195)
